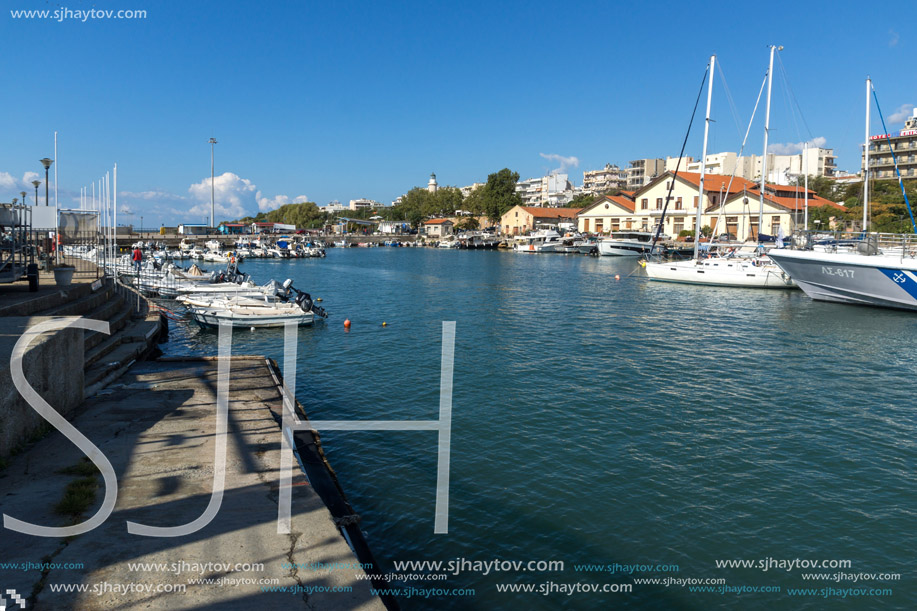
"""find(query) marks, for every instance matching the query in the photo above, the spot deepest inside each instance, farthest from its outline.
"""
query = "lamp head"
(35, 183)
(46, 162)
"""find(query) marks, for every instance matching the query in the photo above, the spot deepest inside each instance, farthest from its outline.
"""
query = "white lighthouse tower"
(432, 186)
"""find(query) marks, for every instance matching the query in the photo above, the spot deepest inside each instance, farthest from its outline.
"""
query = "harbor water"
(600, 419)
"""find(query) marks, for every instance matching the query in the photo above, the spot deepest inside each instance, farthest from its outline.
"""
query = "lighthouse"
(432, 186)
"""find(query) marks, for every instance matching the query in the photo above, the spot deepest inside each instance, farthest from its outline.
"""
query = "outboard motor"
(304, 301)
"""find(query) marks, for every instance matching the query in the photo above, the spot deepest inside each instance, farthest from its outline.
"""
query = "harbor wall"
(53, 367)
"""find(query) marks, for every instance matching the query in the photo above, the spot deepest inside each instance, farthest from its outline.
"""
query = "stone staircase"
(134, 331)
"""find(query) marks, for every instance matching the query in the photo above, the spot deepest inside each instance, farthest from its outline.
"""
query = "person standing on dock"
(137, 258)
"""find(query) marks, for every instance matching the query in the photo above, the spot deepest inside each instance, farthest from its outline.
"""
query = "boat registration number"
(837, 271)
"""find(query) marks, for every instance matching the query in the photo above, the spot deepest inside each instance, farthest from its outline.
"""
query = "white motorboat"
(300, 311)
(542, 241)
(626, 244)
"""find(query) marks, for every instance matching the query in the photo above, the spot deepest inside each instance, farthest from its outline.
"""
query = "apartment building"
(904, 146)
(604, 180)
(641, 171)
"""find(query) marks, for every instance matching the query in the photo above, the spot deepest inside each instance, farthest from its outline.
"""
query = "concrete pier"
(157, 426)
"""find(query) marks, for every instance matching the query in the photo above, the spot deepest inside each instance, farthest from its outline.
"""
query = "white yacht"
(626, 244)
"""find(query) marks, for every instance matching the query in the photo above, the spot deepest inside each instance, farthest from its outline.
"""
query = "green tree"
(582, 200)
(469, 223)
(474, 203)
(446, 201)
(499, 194)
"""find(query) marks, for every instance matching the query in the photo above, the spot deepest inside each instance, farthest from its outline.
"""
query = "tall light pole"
(47, 163)
(22, 193)
(212, 141)
(35, 184)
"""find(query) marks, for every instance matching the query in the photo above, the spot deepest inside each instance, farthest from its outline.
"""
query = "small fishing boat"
(300, 311)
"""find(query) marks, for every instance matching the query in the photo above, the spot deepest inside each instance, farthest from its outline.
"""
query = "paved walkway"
(157, 426)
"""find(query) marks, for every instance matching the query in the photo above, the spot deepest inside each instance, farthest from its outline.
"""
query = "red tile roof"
(790, 203)
(436, 221)
(799, 203)
(716, 182)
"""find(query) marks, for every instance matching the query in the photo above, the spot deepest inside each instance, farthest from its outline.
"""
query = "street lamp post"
(212, 141)
(35, 183)
(22, 193)
(141, 226)
(47, 163)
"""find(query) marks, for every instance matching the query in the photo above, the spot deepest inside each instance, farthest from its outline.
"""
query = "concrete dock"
(156, 425)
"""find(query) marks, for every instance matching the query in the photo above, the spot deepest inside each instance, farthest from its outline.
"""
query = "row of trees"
(887, 208)
(492, 200)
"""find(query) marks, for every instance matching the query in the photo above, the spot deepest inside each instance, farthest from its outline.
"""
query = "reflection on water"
(598, 420)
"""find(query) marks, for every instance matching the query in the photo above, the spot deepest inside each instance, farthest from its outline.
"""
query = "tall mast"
(866, 167)
(767, 127)
(805, 162)
(703, 160)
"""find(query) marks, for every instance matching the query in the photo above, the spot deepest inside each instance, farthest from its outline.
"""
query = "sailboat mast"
(805, 161)
(767, 127)
(866, 166)
(703, 160)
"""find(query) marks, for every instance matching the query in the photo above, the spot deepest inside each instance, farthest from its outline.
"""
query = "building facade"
(641, 171)
(437, 228)
(521, 219)
(359, 204)
(550, 190)
(604, 180)
(904, 146)
(609, 213)
(783, 211)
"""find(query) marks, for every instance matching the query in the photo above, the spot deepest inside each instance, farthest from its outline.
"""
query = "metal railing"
(902, 245)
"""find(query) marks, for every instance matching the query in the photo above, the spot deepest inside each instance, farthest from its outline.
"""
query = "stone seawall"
(53, 366)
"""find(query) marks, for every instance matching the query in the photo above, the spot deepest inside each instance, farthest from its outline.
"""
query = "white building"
(551, 190)
(604, 180)
(641, 171)
(466, 191)
(334, 207)
(781, 169)
(358, 204)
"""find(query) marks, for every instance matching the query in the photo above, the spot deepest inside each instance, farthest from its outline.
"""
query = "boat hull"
(720, 272)
(876, 280)
(214, 317)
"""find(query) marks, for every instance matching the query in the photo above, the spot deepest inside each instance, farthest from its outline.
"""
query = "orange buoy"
(384, 324)
(617, 277)
(347, 324)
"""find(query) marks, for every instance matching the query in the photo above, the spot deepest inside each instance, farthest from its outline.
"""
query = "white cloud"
(155, 194)
(794, 148)
(234, 197)
(893, 38)
(902, 114)
(8, 181)
(267, 204)
(565, 162)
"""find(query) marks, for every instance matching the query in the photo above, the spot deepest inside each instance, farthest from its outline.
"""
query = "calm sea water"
(599, 420)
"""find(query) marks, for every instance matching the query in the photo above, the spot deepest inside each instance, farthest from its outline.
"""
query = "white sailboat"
(758, 272)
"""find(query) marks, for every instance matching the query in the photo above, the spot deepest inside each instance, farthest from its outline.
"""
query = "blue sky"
(339, 100)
